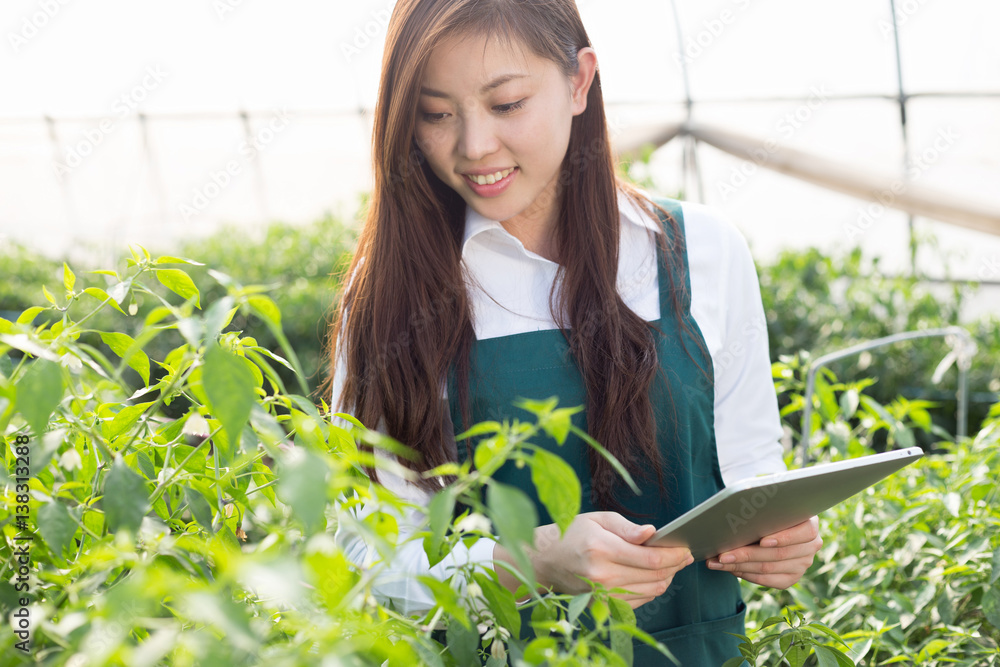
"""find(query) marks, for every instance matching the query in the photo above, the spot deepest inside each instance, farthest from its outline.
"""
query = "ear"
(582, 80)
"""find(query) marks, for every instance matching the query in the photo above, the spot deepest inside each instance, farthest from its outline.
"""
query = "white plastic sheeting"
(144, 103)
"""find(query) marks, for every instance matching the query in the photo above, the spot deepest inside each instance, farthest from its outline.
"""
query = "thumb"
(630, 532)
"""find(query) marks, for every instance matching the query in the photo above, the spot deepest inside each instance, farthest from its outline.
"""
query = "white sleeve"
(726, 304)
(396, 582)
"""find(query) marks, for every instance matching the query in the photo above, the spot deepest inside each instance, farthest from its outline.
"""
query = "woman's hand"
(604, 547)
(779, 561)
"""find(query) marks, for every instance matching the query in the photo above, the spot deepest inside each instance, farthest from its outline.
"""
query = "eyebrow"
(495, 83)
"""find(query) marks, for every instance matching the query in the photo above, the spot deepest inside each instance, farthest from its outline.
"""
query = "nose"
(478, 138)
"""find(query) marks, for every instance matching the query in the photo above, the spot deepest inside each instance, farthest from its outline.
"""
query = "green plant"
(205, 539)
(910, 572)
(817, 303)
(791, 646)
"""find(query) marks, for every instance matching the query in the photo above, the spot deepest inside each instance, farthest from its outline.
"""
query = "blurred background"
(238, 132)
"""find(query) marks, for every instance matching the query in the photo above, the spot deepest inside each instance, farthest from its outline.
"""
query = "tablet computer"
(756, 507)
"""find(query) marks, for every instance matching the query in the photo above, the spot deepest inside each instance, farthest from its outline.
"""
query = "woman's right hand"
(604, 547)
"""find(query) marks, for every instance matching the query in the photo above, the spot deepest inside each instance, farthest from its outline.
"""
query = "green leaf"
(558, 487)
(218, 316)
(30, 314)
(502, 603)
(621, 642)
(39, 392)
(229, 388)
(228, 617)
(124, 420)
(463, 642)
(479, 429)
(734, 662)
(577, 605)
(167, 259)
(541, 651)
(991, 605)
(599, 611)
(849, 403)
(610, 458)
(447, 598)
(265, 308)
(102, 296)
(995, 571)
(126, 499)
(558, 424)
(538, 408)
(120, 344)
(827, 656)
(48, 296)
(512, 513)
(490, 454)
(515, 518)
(773, 620)
(69, 278)
(200, 509)
(179, 283)
(302, 486)
(56, 525)
(440, 511)
(791, 645)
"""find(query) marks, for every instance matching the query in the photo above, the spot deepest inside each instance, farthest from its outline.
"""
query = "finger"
(773, 580)
(791, 549)
(646, 591)
(765, 554)
(652, 559)
(630, 532)
(791, 566)
(803, 532)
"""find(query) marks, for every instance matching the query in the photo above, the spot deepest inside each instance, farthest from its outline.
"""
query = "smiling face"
(494, 124)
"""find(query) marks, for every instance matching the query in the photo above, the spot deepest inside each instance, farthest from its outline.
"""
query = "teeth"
(490, 179)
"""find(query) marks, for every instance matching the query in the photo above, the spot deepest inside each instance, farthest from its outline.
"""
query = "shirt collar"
(476, 224)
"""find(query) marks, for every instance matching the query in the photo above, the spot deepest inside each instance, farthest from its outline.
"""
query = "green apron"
(701, 605)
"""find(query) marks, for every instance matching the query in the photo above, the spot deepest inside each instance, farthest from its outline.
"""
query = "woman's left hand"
(778, 561)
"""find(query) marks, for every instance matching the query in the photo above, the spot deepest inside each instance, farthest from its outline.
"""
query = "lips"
(491, 184)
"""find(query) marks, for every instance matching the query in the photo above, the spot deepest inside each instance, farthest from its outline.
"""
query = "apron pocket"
(704, 644)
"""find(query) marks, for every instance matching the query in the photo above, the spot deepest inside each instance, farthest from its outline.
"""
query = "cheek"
(433, 140)
(545, 137)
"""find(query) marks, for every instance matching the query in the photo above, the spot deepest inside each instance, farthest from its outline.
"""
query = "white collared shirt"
(509, 294)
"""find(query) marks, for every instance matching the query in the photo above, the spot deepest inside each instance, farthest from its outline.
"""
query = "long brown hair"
(404, 317)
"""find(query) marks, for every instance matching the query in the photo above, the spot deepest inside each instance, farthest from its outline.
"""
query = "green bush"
(815, 304)
(910, 569)
(205, 540)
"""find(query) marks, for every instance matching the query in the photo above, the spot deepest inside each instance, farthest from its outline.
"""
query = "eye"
(432, 117)
(509, 108)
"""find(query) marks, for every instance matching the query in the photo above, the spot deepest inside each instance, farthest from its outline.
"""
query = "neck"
(535, 227)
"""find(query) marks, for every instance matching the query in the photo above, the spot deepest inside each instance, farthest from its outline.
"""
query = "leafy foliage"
(816, 303)
(910, 568)
(206, 539)
(183, 489)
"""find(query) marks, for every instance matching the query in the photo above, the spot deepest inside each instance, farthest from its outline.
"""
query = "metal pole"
(906, 134)
(964, 345)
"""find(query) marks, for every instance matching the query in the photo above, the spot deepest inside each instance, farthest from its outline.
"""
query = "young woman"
(502, 258)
